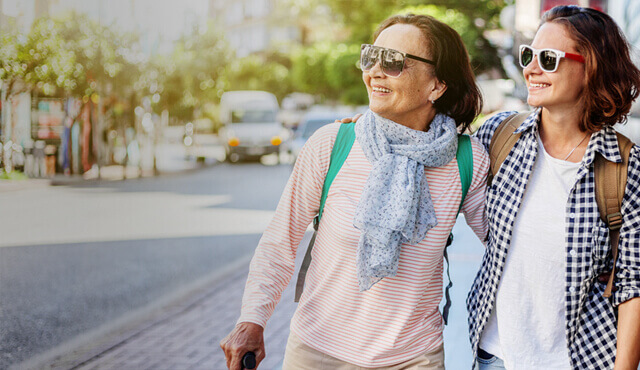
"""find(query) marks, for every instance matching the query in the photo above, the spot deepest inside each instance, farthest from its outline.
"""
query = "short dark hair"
(462, 99)
(612, 80)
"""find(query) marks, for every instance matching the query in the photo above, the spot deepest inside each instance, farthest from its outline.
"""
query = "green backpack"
(341, 148)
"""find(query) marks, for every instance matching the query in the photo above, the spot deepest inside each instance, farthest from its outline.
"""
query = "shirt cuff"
(253, 318)
(625, 293)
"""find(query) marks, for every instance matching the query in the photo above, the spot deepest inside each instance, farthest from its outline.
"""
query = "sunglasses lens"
(526, 56)
(368, 57)
(548, 60)
(392, 63)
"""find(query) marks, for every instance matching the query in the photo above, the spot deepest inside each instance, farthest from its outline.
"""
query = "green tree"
(344, 76)
(254, 72)
(361, 18)
(193, 75)
(309, 70)
(32, 60)
(458, 21)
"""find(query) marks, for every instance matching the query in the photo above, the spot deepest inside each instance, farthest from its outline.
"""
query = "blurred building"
(528, 12)
(158, 22)
(254, 26)
(624, 12)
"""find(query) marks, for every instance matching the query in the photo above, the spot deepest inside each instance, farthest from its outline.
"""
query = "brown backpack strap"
(503, 141)
(610, 183)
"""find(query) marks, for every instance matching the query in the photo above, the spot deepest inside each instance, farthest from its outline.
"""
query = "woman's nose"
(533, 67)
(376, 70)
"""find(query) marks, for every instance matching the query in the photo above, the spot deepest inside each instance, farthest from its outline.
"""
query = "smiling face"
(404, 99)
(560, 89)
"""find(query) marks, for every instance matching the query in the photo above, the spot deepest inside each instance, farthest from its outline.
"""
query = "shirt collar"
(531, 121)
(604, 141)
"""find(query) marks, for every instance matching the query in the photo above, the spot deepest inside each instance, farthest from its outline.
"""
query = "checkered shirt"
(591, 319)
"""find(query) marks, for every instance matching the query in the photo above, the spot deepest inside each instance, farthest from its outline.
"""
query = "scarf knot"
(395, 206)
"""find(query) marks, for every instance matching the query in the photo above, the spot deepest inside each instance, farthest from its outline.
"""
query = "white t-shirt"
(527, 326)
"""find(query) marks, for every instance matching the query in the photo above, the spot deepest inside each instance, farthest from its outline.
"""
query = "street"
(74, 258)
(79, 258)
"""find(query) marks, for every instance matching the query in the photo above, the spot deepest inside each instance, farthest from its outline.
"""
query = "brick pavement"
(185, 334)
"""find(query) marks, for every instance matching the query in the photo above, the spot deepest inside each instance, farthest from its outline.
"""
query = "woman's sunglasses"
(548, 59)
(391, 61)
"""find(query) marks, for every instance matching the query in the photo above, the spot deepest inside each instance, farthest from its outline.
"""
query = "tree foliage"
(71, 56)
(191, 75)
(309, 69)
(362, 17)
(344, 76)
(255, 72)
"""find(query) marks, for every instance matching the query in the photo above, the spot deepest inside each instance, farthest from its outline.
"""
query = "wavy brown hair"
(611, 78)
(462, 99)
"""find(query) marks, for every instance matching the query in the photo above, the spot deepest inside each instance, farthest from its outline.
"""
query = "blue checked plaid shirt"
(590, 322)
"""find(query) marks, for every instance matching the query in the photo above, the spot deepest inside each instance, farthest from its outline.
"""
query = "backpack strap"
(464, 156)
(503, 141)
(610, 183)
(341, 148)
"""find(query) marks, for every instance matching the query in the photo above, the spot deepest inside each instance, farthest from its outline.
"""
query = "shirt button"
(572, 215)
(573, 253)
(572, 289)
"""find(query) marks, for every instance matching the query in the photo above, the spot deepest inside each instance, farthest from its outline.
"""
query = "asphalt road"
(78, 257)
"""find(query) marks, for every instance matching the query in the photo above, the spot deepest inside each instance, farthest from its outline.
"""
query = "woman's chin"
(377, 108)
(533, 102)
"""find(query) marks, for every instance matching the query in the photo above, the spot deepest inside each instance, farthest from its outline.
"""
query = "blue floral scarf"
(395, 206)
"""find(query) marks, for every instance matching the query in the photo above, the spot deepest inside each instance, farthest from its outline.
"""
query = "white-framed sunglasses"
(548, 59)
(391, 61)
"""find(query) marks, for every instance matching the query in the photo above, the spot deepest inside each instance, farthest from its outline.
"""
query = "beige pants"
(299, 356)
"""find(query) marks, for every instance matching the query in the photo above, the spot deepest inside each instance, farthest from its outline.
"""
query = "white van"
(250, 126)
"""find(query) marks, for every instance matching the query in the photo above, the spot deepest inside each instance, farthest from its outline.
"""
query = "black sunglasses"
(391, 61)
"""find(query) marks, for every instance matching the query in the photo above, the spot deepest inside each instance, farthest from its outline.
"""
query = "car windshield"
(312, 126)
(253, 116)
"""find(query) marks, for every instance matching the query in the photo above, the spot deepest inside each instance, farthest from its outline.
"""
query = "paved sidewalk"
(171, 159)
(183, 334)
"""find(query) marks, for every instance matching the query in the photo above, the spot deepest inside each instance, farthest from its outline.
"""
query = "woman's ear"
(438, 90)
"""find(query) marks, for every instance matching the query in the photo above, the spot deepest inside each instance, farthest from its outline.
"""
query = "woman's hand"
(350, 119)
(245, 337)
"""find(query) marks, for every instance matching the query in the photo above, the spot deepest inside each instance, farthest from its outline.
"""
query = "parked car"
(250, 128)
(310, 123)
(294, 106)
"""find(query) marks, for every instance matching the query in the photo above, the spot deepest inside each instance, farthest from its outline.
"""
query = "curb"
(63, 180)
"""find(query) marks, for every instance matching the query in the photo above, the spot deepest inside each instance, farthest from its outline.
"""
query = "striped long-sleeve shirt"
(398, 318)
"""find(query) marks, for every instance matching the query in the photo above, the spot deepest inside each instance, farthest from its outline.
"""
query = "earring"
(432, 101)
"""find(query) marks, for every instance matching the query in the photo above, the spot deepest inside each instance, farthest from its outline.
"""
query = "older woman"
(536, 302)
(375, 281)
